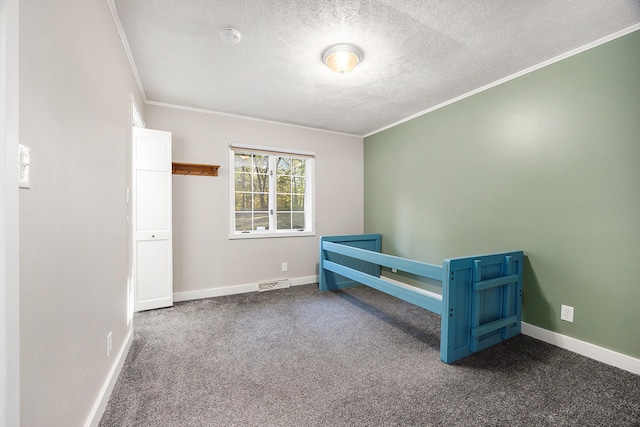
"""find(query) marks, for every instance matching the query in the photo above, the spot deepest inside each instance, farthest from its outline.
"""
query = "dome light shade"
(342, 58)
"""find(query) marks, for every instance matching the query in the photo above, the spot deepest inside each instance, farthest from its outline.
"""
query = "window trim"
(309, 194)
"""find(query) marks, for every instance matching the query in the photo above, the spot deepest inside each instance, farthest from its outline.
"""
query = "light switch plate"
(24, 154)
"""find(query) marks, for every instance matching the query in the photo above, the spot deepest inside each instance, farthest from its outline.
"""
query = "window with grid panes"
(272, 193)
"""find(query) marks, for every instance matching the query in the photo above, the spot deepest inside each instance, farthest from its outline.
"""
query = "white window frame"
(309, 201)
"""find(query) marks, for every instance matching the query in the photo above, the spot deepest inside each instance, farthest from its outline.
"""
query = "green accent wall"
(548, 163)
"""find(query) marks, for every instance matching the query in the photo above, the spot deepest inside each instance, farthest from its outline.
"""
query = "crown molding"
(531, 69)
(238, 116)
(125, 43)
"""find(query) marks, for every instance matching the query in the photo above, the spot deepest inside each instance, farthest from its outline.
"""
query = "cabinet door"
(151, 219)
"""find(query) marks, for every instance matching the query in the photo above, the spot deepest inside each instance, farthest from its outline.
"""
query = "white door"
(151, 219)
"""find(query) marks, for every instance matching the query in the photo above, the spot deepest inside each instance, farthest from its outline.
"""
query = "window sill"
(267, 235)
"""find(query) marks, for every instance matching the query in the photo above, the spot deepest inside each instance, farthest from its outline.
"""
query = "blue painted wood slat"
(493, 283)
(402, 264)
(432, 303)
(493, 326)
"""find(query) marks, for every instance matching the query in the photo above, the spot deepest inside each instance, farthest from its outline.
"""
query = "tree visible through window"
(272, 192)
(252, 192)
(290, 183)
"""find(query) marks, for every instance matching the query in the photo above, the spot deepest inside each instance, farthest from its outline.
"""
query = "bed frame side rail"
(358, 258)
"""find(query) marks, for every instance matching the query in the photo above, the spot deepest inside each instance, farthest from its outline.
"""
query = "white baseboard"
(591, 351)
(303, 280)
(237, 289)
(214, 292)
(103, 398)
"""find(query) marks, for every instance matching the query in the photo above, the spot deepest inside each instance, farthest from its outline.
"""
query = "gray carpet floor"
(299, 357)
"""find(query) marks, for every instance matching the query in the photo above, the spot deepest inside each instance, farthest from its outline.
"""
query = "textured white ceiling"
(417, 53)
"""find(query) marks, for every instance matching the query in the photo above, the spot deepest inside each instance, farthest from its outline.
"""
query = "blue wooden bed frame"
(481, 301)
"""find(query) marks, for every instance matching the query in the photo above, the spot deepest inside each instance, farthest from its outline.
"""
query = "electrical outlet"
(566, 313)
(394, 270)
(284, 267)
(109, 344)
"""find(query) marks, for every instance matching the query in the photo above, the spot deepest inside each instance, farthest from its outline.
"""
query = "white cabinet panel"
(151, 219)
(152, 275)
(152, 193)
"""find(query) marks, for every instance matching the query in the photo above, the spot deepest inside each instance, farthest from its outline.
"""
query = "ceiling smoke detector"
(230, 35)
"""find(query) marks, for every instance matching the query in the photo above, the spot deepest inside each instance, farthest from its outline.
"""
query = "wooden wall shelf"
(178, 168)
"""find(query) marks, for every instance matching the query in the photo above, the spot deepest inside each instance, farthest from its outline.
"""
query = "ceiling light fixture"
(230, 35)
(342, 58)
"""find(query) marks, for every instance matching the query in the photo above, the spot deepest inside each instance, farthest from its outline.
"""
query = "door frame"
(135, 120)
(9, 219)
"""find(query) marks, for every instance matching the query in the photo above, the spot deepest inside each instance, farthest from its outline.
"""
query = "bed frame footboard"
(481, 300)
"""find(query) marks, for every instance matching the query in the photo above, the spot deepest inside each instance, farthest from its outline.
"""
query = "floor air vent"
(274, 284)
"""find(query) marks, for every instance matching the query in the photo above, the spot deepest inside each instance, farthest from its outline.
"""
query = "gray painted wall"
(204, 256)
(547, 163)
(74, 114)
